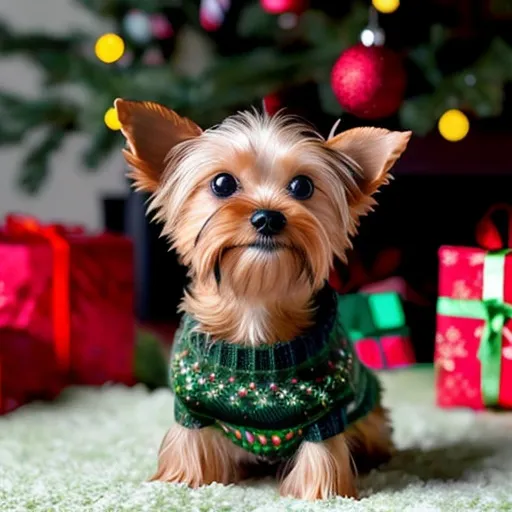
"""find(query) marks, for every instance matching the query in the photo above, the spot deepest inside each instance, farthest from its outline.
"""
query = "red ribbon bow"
(55, 234)
(488, 235)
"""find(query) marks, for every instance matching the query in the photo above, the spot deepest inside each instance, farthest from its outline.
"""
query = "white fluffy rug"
(92, 449)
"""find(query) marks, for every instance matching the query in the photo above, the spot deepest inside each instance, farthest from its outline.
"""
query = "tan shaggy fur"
(246, 295)
(198, 457)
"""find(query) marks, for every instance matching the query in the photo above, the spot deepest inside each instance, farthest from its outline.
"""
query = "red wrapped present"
(71, 294)
(375, 324)
(29, 370)
(389, 352)
(473, 352)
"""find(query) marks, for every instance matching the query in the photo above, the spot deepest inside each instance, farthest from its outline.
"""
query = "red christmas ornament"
(369, 82)
(282, 6)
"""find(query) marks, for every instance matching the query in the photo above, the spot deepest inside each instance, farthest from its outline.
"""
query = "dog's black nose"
(268, 222)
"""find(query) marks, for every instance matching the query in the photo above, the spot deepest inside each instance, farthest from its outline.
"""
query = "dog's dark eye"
(301, 187)
(224, 185)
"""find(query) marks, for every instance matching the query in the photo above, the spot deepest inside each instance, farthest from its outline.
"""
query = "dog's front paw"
(321, 471)
(179, 459)
(195, 457)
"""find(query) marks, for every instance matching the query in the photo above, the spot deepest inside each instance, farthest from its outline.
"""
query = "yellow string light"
(109, 48)
(386, 6)
(453, 125)
(111, 119)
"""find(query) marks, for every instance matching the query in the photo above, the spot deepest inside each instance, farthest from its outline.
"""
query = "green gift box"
(375, 323)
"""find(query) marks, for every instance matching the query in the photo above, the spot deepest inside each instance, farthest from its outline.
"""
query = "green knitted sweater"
(269, 399)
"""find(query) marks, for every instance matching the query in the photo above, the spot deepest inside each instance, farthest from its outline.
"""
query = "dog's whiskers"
(306, 266)
(217, 271)
(267, 246)
(203, 227)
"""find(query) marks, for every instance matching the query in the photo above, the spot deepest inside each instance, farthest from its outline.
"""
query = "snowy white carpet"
(92, 450)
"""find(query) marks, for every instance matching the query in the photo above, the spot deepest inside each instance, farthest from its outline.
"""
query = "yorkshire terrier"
(258, 208)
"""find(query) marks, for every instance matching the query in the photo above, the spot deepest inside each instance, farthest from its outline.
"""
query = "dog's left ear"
(151, 131)
(374, 150)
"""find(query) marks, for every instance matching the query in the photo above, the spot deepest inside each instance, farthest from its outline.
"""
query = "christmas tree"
(410, 66)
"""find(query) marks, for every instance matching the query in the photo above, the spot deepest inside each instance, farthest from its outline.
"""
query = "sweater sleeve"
(188, 419)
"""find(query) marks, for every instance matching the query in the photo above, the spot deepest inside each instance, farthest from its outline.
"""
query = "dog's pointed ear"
(374, 150)
(369, 154)
(151, 131)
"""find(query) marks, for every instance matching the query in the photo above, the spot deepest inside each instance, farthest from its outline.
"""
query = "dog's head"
(258, 204)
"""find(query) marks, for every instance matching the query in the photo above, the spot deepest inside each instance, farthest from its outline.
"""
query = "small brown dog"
(257, 208)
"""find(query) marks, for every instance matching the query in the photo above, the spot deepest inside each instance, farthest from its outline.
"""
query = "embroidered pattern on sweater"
(269, 399)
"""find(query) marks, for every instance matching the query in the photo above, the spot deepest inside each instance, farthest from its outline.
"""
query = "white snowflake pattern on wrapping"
(449, 258)
(507, 341)
(476, 259)
(450, 346)
(457, 388)
(478, 283)
(478, 332)
(461, 290)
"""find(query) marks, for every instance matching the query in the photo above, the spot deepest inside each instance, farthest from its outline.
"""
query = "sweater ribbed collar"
(276, 357)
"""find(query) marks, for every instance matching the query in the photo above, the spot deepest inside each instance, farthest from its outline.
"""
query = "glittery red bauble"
(282, 6)
(369, 82)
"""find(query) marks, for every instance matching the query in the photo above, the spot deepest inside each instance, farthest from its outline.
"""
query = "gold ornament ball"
(453, 125)
(111, 119)
(386, 6)
(109, 48)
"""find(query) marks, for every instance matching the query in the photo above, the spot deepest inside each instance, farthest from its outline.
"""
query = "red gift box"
(390, 351)
(387, 352)
(29, 370)
(71, 294)
(473, 351)
(376, 326)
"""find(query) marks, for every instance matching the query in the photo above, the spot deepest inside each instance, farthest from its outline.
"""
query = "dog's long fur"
(242, 294)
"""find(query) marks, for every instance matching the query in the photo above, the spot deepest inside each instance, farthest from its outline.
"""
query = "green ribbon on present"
(371, 315)
(495, 312)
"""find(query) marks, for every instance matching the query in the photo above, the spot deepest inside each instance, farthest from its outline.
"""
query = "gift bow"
(19, 225)
(489, 353)
(487, 233)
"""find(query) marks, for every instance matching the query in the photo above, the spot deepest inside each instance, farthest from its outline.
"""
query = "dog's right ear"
(151, 131)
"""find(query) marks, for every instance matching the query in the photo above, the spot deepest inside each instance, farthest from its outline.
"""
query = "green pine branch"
(230, 82)
(36, 166)
(19, 115)
(36, 43)
(226, 85)
(477, 89)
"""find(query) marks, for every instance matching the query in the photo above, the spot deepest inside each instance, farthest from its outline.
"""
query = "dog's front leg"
(197, 457)
(321, 470)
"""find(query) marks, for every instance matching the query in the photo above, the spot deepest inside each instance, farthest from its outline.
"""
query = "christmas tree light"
(109, 48)
(453, 125)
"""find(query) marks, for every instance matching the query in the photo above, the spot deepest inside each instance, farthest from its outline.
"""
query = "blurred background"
(440, 68)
